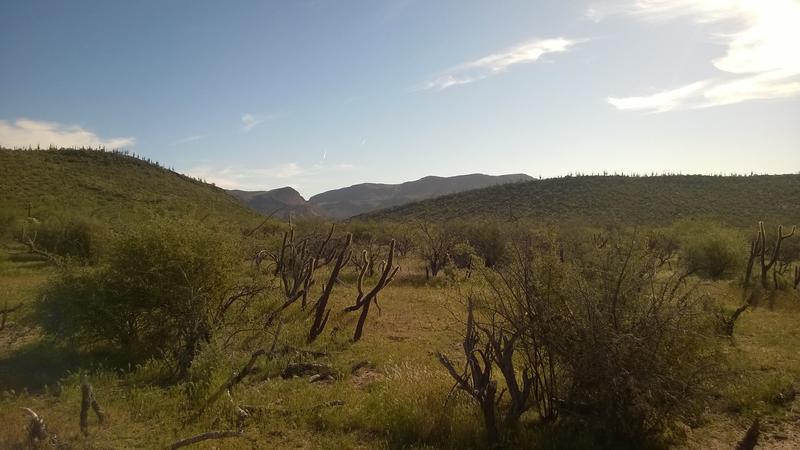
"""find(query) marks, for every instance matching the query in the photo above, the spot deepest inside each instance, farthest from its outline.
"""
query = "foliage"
(488, 239)
(435, 242)
(609, 339)
(709, 248)
(163, 292)
(76, 238)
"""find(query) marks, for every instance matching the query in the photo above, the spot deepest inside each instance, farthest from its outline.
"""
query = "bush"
(161, 293)
(489, 242)
(79, 239)
(710, 249)
(607, 340)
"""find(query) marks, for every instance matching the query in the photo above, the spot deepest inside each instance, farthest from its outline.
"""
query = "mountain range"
(366, 197)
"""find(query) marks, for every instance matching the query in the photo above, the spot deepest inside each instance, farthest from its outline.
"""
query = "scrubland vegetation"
(506, 332)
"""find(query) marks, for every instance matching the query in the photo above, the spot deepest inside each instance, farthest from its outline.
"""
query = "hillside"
(279, 203)
(106, 185)
(736, 200)
(362, 198)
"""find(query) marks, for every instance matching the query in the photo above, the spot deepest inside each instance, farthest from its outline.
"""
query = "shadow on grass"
(45, 362)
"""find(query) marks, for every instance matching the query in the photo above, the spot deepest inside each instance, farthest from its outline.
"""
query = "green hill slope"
(736, 200)
(108, 186)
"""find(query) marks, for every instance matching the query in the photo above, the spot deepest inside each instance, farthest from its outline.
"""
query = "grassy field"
(400, 399)
(387, 390)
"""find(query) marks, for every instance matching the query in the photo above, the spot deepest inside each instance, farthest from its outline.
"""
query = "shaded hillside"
(737, 200)
(362, 198)
(279, 203)
(108, 186)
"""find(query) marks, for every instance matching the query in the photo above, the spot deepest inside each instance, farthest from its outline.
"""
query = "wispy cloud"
(761, 59)
(188, 139)
(499, 62)
(27, 132)
(250, 121)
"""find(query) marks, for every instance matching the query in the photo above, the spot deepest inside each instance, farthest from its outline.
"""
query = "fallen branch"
(205, 437)
(237, 377)
(32, 248)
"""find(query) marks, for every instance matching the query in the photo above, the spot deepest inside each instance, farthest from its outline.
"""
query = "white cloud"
(499, 62)
(31, 133)
(238, 177)
(761, 59)
(661, 101)
(188, 139)
(250, 121)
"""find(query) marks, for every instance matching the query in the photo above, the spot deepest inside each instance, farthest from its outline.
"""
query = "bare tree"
(321, 310)
(759, 250)
(436, 245)
(363, 301)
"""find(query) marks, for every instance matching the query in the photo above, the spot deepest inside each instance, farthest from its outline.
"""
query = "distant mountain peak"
(280, 202)
(367, 197)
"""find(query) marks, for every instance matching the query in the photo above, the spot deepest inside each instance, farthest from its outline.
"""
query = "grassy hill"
(107, 186)
(735, 200)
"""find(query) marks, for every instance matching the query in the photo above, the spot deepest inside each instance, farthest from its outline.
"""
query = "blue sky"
(320, 94)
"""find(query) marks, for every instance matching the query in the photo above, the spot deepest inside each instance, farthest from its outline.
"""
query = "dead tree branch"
(363, 301)
(321, 310)
(476, 379)
(205, 437)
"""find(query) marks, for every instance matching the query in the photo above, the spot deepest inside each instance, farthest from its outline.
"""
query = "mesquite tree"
(435, 246)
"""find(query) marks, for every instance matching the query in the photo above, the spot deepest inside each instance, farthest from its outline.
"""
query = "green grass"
(739, 201)
(403, 399)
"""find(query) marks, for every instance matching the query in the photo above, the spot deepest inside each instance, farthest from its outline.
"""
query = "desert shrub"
(710, 249)
(77, 238)
(488, 240)
(463, 256)
(608, 340)
(161, 292)
(435, 242)
(639, 347)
